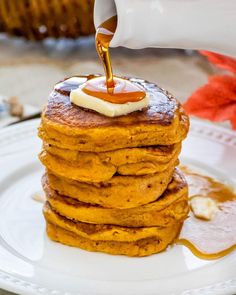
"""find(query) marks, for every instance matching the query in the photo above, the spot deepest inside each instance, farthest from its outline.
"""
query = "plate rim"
(23, 287)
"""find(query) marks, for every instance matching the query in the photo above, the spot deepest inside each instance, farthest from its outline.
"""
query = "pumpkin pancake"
(133, 161)
(68, 126)
(142, 247)
(172, 206)
(104, 232)
(118, 192)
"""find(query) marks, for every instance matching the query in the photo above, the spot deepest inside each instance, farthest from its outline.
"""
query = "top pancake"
(66, 125)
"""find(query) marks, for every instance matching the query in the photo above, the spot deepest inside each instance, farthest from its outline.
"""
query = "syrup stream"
(111, 89)
(104, 35)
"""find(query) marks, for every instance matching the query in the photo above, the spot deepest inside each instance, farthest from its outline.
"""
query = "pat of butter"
(39, 197)
(72, 81)
(203, 207)
(76, 80)
(106, 108)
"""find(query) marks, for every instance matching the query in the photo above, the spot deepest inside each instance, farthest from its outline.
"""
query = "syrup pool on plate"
(215, 238)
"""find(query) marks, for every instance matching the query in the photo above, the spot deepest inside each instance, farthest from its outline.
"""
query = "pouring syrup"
(110, 88)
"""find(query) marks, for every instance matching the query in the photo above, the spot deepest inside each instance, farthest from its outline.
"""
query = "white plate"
(31, 264)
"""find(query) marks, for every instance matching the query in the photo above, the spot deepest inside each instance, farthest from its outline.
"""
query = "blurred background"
(41, 42)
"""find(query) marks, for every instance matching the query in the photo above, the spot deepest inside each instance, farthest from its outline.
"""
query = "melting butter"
(104, 107)
(203, 207)
(39, 197)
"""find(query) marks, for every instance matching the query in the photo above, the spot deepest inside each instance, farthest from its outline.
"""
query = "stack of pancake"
(111, 183)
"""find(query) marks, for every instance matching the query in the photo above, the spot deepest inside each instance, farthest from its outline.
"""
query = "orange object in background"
(216, 100)
(221, 61)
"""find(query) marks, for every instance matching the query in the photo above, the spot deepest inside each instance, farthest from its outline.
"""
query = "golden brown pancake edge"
(143, 247)
(171, 206)
(103, 232)
(129, 161)
(118, 192)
